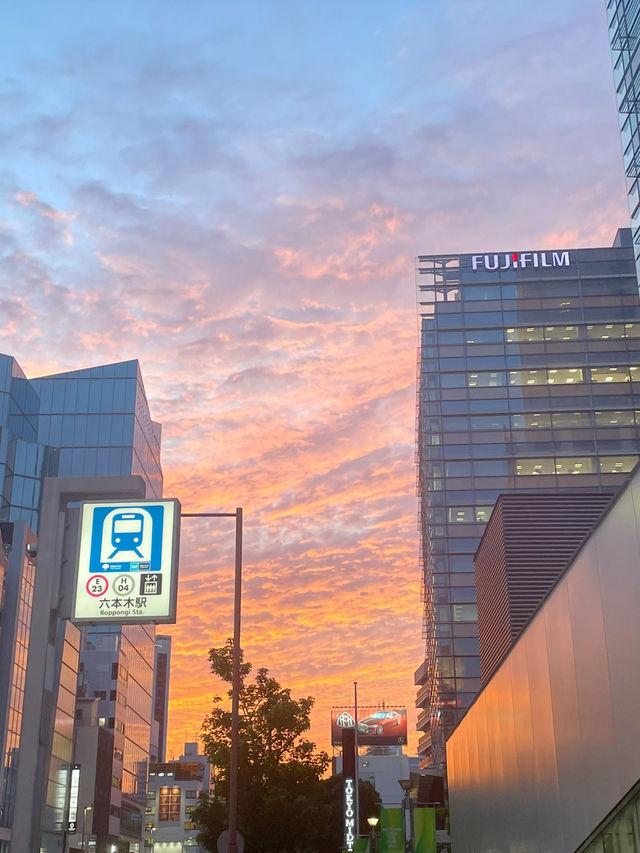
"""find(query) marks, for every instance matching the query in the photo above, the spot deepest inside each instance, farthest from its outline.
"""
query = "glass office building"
(624, 33)
(79, 424)
(86, 423)
(529, 379)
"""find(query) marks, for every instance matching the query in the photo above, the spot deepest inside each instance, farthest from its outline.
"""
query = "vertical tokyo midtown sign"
(520, 260)
(349, 814)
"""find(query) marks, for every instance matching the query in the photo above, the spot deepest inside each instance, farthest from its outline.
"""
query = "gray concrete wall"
(553, 742)
(50, 601)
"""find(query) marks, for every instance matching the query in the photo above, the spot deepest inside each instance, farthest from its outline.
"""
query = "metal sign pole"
(232, 847)
(357, 773)
(232, 844)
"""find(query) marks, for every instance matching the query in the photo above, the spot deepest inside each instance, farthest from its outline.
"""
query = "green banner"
(362, 845)
(424, 830)
(391, 831)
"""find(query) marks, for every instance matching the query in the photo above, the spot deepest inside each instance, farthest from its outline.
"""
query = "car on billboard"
(380, 723)
(376, 727)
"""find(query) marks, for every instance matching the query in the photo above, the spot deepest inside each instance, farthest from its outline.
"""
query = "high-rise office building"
(85, 423)
(529, 380)
(161, 670)
(624, 34)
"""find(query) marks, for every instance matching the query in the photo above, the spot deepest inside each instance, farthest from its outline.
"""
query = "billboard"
(127, 567)
(376, 726)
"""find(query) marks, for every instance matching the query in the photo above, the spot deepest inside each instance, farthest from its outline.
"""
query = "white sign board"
(127, 562)
(72, 824)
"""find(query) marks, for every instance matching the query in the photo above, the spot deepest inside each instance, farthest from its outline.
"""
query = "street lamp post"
(232, 845)
(407, 821)
(84, 820)
(373, 835)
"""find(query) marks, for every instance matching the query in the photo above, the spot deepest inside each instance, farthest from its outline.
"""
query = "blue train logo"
(127, 531)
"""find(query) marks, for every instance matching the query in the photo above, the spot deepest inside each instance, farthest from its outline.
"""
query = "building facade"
(161, 671)
(526, 546)
(86, 423)
(175, 788)
(529, 380)
(624, 34)
(548, 756)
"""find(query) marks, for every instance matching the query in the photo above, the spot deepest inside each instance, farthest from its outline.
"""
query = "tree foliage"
(283, 802)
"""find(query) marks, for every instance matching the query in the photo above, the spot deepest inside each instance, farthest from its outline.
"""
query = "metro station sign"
(127, 568)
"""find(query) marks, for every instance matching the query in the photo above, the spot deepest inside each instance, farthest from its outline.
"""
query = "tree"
(282, 804)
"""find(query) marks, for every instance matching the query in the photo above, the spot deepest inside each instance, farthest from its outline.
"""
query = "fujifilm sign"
(520, 260)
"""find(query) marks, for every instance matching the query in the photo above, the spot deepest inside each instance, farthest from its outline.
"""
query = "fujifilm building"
(528, 368)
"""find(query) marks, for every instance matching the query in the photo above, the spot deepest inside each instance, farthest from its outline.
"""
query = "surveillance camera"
(32, 549)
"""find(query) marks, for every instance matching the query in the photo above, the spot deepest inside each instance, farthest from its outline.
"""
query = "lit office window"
(461, 514)
(565, 376)
(605, 330)
(561, 333)
(632, 330)
(483, 512)
(610, 374)
(624, 418)
(527, 335)
(617, 464)
(486, 380)
(527, 377)
(535, 420)
(571, 419)
(526, 467)
(576, 465)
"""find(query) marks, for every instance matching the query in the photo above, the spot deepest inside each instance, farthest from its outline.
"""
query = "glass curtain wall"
(624, 32)
(528, 379)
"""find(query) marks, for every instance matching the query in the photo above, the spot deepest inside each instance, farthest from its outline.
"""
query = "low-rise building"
(172, 797)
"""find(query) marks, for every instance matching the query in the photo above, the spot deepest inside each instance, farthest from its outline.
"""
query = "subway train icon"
(126, 532)
(126, 538)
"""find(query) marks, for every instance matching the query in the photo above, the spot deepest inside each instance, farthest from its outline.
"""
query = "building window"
(625, 418)
(532, 333)
(461, 514)
(571, 419)
(605, 330)
(464, 612)
(483, 512)
(617, 464)
(561, 333)
(576, 465)
(526, 467)
(486, 380)
(610, 374)
(567, 376)
(535, 420)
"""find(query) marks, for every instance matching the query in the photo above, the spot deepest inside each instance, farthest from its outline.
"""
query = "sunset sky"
(234, 193)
